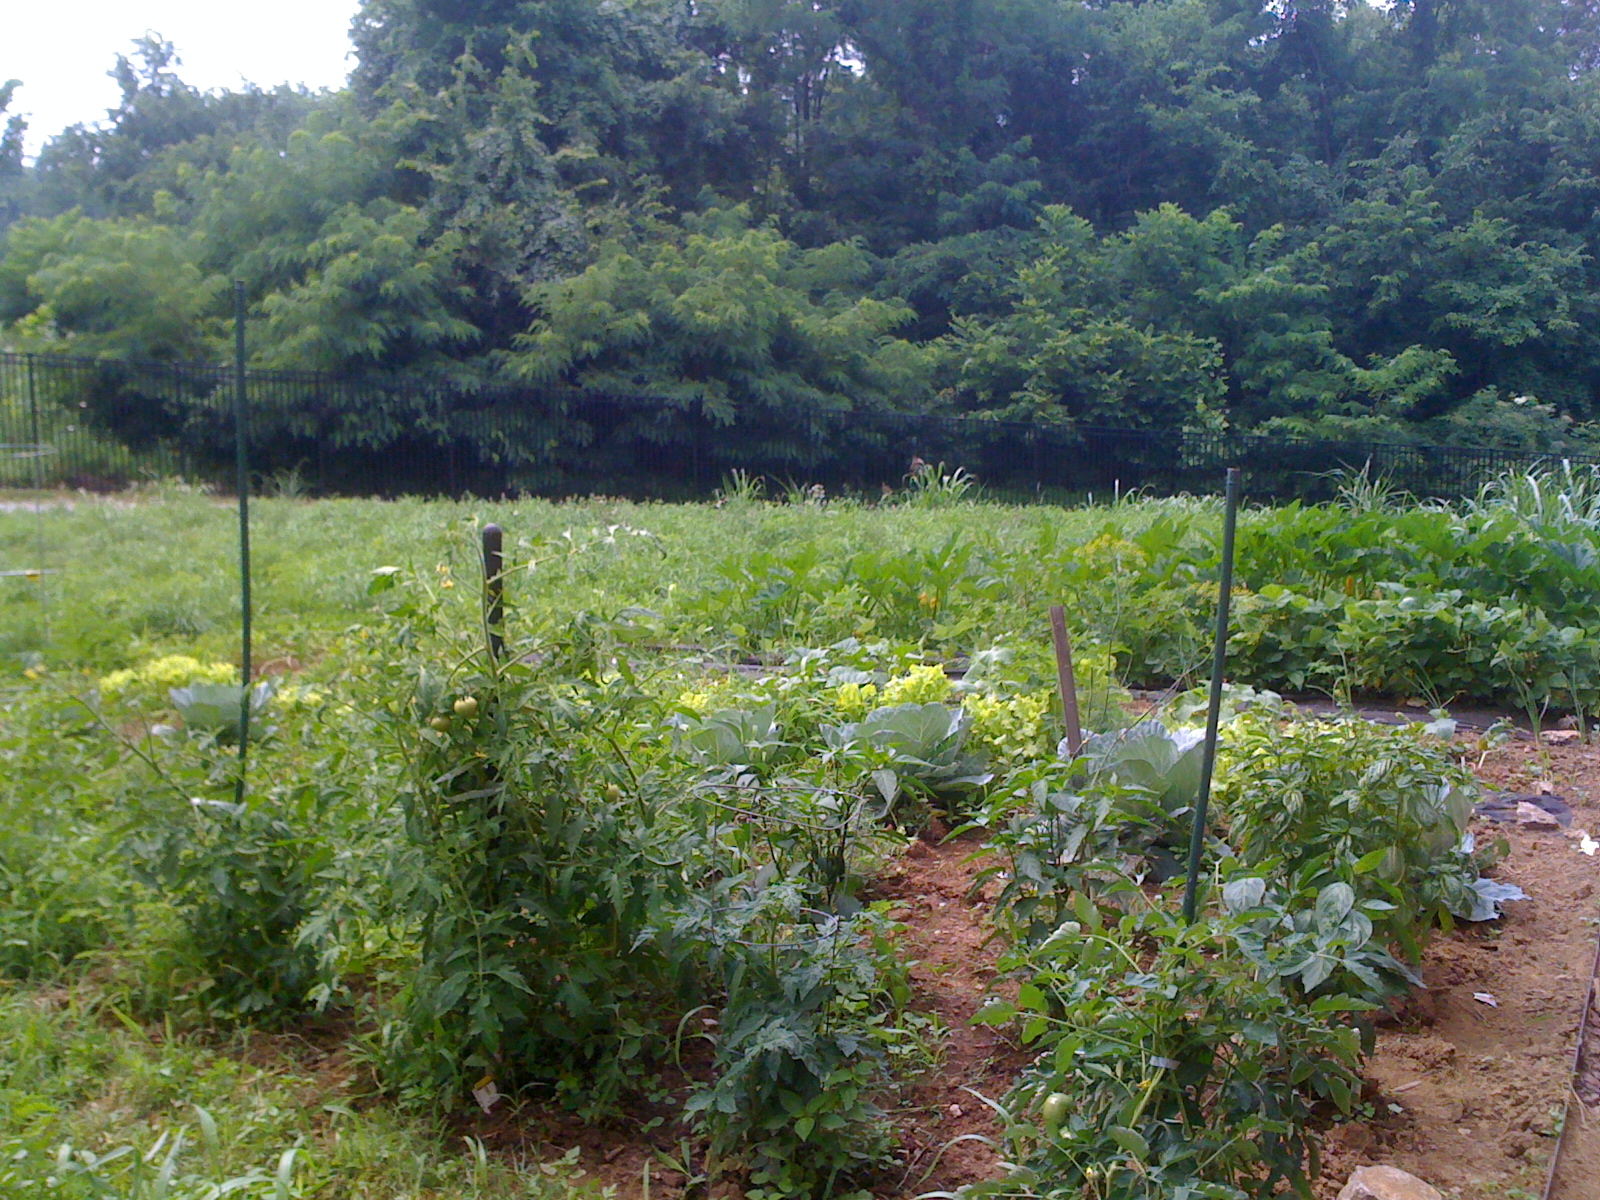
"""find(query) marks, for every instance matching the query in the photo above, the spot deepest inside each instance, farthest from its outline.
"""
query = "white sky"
(61, 50)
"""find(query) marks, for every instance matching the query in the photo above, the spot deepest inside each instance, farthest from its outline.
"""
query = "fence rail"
(103, 424)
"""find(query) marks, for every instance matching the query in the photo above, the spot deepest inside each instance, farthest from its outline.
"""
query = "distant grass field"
(146, 573)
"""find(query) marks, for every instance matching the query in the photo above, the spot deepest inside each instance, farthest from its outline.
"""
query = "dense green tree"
(123, 287)
(1291, 214)
(13, 174)
(724, 316)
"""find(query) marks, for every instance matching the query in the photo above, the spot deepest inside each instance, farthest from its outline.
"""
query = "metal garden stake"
(1219, 661)
(38, 452)
(494, 586)
(242, 452)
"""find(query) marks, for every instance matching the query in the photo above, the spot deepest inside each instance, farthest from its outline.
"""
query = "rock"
(1560, 737)
(1387, 1183)
(1531, 816)
(1504, 807)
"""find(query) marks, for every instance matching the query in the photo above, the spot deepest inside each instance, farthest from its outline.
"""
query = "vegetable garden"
(630, 869)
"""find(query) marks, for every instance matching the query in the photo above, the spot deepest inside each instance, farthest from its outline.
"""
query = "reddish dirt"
(1469, 1096)
(948, 938)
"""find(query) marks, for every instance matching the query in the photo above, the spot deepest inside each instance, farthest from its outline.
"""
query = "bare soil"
(1469, 1094)
(954, 973)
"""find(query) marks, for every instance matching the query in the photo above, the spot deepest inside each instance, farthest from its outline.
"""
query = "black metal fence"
(103, 424)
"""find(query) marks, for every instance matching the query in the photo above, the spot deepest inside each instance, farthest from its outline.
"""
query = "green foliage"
(1423, 601)
(1199, 1059)
(1162, 762)
(126, 288)
(93, 1105)
(723, 317)
(1320, 218)
(614, 848)
(536, 886)
(579, 887)
(243, 877)
(373, 296)
(60, 899)
(1381, 810)
(801, 1042)
(1192, 1065)
(919, 745)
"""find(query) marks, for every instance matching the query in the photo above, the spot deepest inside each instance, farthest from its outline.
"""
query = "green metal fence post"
(494, 590)
(242, 454)
(1219, 662)
(38, 511)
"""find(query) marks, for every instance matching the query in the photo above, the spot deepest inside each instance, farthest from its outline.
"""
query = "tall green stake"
(38, 453)
(1219, 662)
(241, 416)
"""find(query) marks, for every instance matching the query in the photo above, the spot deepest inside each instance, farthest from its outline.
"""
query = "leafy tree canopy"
(1296, 214)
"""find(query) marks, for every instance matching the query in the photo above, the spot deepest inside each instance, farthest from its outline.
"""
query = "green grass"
(153, 572)
(80, 1079)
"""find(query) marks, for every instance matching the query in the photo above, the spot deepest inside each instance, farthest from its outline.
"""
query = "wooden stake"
(1067, 679)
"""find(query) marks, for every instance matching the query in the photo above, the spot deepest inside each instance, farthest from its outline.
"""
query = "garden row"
(1375, 595)
(515, 884)
(610, 872)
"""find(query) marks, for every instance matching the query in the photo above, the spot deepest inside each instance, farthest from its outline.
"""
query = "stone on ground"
(1387, 1183)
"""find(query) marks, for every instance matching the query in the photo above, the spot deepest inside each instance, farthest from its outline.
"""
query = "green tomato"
(1056, 1109)
(467, 707)
(613, 793)
(439, 724)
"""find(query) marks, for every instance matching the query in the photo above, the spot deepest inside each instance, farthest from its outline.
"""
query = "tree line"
(1313, 217)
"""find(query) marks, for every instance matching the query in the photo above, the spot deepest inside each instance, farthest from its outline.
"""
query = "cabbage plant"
(214, 707)
(922, 743)
(1165, 763)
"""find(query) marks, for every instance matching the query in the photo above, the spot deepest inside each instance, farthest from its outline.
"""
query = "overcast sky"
(62, 49)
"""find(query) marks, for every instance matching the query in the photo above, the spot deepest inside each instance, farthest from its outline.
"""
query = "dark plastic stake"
(494, 589)
(242, 452)
(1219, 662)
(1066, 679)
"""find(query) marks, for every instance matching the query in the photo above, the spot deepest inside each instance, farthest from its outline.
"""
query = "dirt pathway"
(1468, 1093)
(949, 940)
